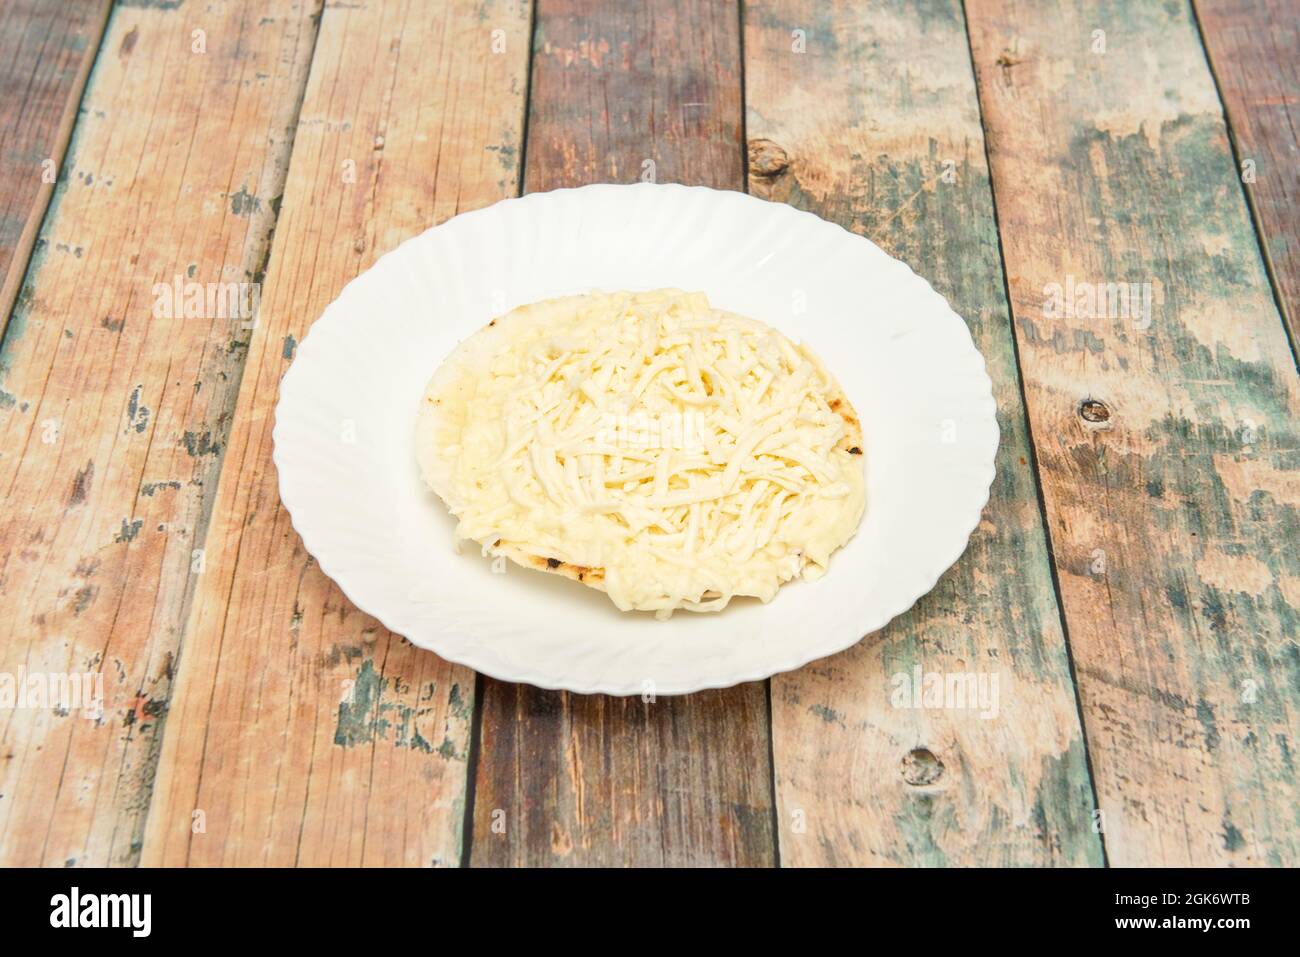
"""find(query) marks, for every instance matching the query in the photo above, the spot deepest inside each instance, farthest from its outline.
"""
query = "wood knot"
(920, 767)
(766, 158)
(1094, 410)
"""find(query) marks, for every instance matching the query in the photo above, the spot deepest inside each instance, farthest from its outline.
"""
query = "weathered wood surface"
(1172, 491)
(301, 731)
(1254, 49)
(619, 92)
(46, 50)
(113, 417)
(866, 114)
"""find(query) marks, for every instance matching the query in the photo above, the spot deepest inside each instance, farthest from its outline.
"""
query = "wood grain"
(1167, 437)
(1254, 49)
(621, 92)
(114, 416)
(875, 125)
(301, 731)
(46, 51)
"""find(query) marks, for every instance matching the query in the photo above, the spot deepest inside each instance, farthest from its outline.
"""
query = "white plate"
(346, 415)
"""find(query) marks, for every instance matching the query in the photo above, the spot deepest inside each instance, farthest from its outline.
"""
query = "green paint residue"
(356, 723)
(456, 702)
(829, 715)
(1232, 838)
(1070, 827)
(244, 203)
(1205, 715)
(197, 444)
(365, 717)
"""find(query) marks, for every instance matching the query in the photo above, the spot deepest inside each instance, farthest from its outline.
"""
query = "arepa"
(647, 445)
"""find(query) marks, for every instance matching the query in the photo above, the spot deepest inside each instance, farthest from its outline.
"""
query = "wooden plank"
(301, 731)
(1167, 437)
(594, 780)
(46, 50)
(875, 125)
(114, 413)
(1254, 50)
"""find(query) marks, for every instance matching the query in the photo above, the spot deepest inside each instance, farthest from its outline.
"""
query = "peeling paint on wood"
(1161, 393)
(1254, 48)
(100, 410)
(46, 51)
(1173, 527)
(308, 733)
(876, 126)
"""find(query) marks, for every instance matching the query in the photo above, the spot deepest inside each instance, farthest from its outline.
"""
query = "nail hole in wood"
(920, 767)
(1094, 410)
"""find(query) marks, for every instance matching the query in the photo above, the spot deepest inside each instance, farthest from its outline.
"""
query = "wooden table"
(1134, 584)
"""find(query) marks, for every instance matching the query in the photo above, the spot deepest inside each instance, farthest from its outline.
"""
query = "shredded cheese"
(680, 454)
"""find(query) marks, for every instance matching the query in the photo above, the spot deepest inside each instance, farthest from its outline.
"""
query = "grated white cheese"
(687, 454)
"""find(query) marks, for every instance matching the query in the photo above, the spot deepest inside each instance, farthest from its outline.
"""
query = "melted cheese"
(692, 455)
